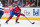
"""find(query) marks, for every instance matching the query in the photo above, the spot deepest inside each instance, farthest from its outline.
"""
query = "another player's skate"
(6, 22)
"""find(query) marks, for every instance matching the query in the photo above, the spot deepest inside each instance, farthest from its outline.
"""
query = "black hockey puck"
(33, 23)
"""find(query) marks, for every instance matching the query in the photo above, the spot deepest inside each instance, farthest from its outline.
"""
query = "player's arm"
(22, 14)
(14, 11)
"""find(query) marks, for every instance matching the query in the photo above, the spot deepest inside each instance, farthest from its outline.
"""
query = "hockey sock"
(9, 18)
(17, 19)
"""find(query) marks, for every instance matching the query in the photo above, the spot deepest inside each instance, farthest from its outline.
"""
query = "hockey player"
(1, 9)
(15, 11)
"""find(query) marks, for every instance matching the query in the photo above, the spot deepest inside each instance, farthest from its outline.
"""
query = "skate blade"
(16, 23)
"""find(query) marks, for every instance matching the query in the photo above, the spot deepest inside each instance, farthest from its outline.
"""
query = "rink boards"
(32, 13)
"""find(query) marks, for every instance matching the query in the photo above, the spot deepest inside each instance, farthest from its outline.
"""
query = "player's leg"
(17, 18)
(18, 15)
(10, 17)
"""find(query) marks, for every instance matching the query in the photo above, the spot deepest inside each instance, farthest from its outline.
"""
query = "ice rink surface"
(23, 23)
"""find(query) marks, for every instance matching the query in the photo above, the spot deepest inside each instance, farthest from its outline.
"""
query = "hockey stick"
(29, 20)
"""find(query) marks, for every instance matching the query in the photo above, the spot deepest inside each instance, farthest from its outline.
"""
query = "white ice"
(23, 23)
